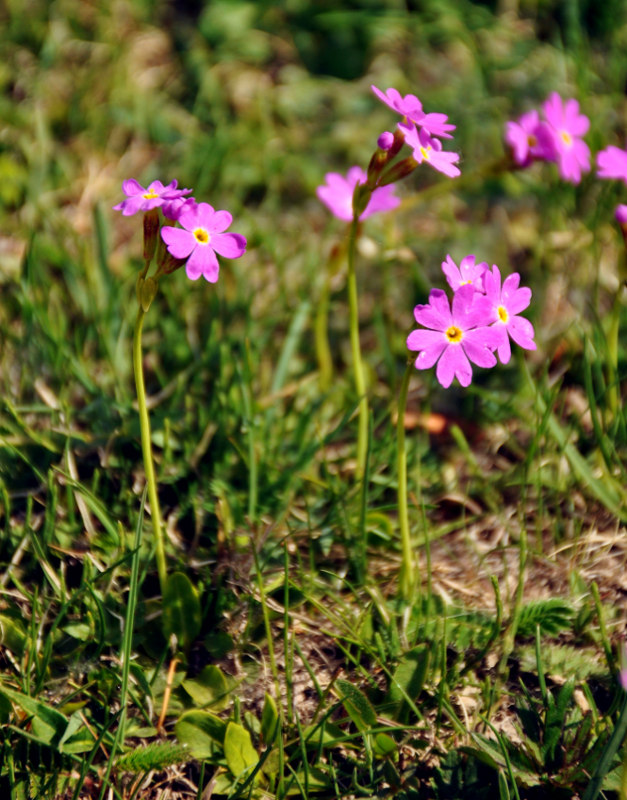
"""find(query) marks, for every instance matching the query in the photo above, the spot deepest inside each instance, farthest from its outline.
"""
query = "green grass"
(295, 669)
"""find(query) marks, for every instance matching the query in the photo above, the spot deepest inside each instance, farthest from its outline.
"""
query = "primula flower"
(430, 150)
(337, 195)
(567, 125)
(612, 164)
(140, 199)
(200, 238)
(529, 138)
(456, 337)
(468, 273)
(409, 106)
(505, 303)
(621, 215)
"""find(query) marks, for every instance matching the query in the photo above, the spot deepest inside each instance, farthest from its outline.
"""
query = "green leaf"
(200, 731)
(76, 738)
(409, 678)
(269, 720)
(384, 745)
(47, 724)
(209, 688)
(12, 635)
(240, 754)
(181, 610)
(357, 706)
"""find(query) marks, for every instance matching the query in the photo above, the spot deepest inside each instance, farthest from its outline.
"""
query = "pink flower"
(468, 273)
(410, 107)
(621, 215)
(430, 150)
(505, 303)
(202, 234)
(567, 125)
(612, 164)
(455, 337)
(529, 138)
(140, 199)
(337, 195)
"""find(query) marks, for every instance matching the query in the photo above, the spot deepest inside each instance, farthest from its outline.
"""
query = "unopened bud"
(361, 198)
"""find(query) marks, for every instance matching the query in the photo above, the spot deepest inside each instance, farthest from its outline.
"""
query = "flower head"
(410, 107)
(612, 163)
(529, 139)
(453, 336)
(155, 196)
(337, 195)
(567, 126)
(200, 238)
(620, 214)
(430, 150)
(505, 304)
(468, 273)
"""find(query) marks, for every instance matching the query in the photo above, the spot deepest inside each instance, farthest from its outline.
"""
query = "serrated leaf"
(240, 754)
(553, 615)
(357, 706)
(269, 720)
(201, 731)
(208, 688)
(181, 610)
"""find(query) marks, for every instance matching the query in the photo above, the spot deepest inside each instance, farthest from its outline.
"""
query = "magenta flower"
(337, 195)
(621, 214)
(140, 199)
(612, 164)
(200, 238)
(567, 125)
(505, 303)
(455, 337)
(468, 273)
(430, 150)
(529, 139)
(409, 106)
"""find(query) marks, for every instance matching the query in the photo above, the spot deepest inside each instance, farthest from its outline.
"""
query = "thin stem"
(144, 423)
(323, 352)
(358, 367)
(408, 579)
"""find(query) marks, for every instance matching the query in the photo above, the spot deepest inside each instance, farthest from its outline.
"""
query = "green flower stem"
(358, 368)
(408, 580)
(323, 352)
(144, 423)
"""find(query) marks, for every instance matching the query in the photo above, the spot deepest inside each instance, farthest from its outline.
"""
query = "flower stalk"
(409, 574)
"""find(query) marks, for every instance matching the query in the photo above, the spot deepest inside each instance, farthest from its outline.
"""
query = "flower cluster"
(555, 138)
(480, 321)
(200, 236)
(363, 193)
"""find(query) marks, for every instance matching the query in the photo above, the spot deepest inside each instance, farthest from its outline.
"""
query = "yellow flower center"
(503, 315)
(201, 236)
(532, 140)
(454, 334)
(424, 151)
(150, 195)
(465, 283)
(566, 138)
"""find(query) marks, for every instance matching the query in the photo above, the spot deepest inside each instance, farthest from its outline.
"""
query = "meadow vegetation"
(283, 656)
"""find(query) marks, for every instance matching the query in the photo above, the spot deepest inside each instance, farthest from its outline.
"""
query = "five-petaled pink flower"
(529, 139)
(506, 303)
(567, 126)
(202, 234)
(468, 273)
(430, 150)
(612, 163)
(140, 199)
(410, 107)
(337, 195)
(454, 337)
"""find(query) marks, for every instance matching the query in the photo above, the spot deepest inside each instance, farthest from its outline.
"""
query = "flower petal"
(180, 243)
(229, 245)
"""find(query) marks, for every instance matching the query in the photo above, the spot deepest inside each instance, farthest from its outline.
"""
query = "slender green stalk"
(323, 352)
(144, 423)
(358, 367)
(408, 579)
